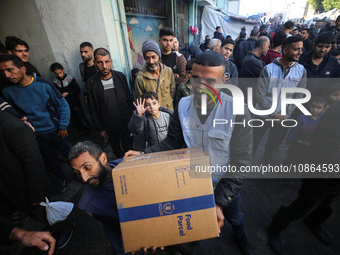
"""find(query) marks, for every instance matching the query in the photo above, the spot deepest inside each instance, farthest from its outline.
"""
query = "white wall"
(22, 19)
(55, 29)
(68, 24)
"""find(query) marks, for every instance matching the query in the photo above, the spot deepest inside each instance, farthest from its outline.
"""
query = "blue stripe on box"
(166, 208)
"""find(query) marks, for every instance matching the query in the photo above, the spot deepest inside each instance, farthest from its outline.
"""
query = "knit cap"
(151, 45)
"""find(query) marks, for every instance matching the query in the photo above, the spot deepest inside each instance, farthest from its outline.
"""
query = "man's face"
(316, 108)
(166, 42)
(153, 106)
(226, 50)
(321, 50)
(337, 22)
(304, 34)
(294, 52)
(175, 45)
(152, 60)
(103, 64)
(217, 48)
(206, 75)
(21, 51)
(296, 32)
(11, 72)
(90, 170)
(265, 48)
(86, 53)
(219, 30)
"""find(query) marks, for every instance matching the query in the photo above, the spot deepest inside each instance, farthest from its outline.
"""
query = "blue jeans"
(234, 216)
(47, 144)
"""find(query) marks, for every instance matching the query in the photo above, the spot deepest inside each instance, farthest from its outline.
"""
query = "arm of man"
(127, 92)
(4, 106)
(301, 84)
(172, 87)
(233, 73)
(43, 240)
(62, 105)
(139, 87)
(90, 104)
(181, 63)
(23, 144)
(262, 89)
(136, 124)
(241, 146)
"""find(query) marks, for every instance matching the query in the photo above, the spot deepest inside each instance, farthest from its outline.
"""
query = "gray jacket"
(241, 145)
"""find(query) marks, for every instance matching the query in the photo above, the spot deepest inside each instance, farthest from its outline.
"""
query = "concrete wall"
(69, 23)
(55, 29)
(21, 18)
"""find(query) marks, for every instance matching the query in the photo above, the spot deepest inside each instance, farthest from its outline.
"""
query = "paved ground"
(260, 199)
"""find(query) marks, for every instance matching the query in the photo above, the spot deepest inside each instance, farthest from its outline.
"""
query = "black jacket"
(307, 45)
(23, 178)
(146, 124)
(96, 100)
(243, 50)
(325, 149)
(252, 66)
(240, 154)
(328, 68)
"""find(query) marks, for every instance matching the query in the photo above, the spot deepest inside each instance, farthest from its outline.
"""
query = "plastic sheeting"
(212, 18)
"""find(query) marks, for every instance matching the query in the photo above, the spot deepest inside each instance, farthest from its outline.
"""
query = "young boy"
(69, 89)
(185, 89)
(299, 137)
(151, 118)
(332, 93)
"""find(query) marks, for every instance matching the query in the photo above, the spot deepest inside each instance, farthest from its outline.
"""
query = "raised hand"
(140, 109)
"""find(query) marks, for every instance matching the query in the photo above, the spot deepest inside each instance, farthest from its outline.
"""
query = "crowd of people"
(170, 91)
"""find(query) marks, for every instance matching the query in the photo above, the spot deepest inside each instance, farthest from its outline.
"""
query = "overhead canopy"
(230, 23)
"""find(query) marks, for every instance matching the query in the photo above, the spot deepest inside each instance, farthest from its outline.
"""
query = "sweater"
(303, 130)
(42, 103)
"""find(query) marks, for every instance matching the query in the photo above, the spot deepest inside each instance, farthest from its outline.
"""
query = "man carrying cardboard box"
(226, 145)
(89, 162)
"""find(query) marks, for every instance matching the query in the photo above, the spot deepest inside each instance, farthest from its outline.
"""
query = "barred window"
(146, 7)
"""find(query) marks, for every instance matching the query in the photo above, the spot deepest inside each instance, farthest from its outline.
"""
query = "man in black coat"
(245, 47)
(24, 182)
(315, 195)
(320, 64)
(110, 103)
(252, 65)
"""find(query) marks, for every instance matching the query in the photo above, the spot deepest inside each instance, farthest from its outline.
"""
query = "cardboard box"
(160, 203)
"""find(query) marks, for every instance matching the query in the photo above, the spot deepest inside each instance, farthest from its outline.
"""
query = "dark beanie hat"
(151, 45)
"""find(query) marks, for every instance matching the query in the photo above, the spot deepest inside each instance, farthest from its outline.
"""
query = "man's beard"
(88, 59)
(153, 68)
(102, 175)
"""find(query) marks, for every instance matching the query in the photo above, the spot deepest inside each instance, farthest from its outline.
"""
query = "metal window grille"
(146, 7)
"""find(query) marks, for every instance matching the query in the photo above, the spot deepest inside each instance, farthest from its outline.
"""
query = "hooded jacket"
(146, 123)
(164, 86)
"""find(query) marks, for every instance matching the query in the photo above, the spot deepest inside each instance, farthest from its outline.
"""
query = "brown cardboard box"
(159, 201)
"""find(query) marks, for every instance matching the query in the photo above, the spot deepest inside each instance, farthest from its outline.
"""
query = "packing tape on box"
(165, 208)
